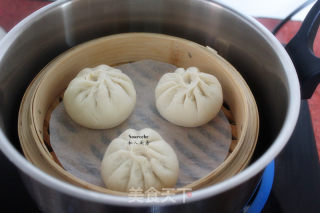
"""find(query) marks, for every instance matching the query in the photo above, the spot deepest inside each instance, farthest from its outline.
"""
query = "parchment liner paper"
(199, 150)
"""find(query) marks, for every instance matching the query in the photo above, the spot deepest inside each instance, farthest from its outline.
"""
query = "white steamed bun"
(188, 98)
(100, 97)
(139, 159)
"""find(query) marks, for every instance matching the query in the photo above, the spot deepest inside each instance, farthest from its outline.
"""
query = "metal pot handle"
(300, 49)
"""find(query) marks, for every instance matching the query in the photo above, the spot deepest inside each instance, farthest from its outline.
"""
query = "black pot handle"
(300, 49)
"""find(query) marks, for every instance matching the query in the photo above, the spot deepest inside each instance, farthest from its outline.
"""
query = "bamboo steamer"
(44, 92)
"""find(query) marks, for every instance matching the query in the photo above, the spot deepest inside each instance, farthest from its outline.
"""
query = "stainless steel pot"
(251, 48)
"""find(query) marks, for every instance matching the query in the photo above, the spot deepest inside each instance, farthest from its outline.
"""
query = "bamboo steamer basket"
(44, 91)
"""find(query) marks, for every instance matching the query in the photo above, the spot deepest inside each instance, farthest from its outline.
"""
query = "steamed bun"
(139, 159)
(100, 97)
(188, 98)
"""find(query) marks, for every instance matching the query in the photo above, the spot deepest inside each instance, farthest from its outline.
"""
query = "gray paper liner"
(199, 150)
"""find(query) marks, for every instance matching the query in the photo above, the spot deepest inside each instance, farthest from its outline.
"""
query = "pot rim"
(288, 126)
